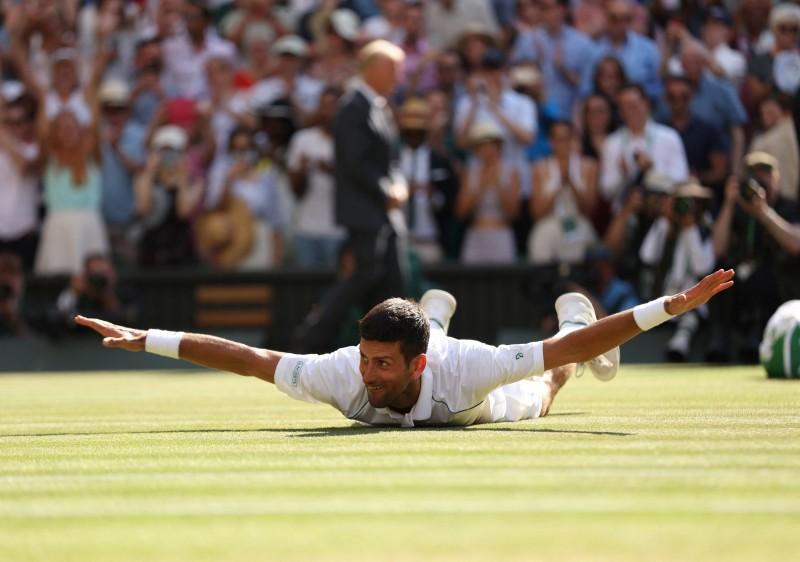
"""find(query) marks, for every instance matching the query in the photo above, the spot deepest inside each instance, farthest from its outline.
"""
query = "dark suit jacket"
(365, 155)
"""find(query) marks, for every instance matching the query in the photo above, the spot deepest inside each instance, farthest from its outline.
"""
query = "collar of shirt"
(423, 407)
(373, 97)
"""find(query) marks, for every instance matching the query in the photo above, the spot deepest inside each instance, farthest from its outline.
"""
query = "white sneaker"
(439, 306)
(575, 308)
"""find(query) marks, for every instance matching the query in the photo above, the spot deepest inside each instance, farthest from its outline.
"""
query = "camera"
(749, 188)
(6, 291)
(98, 281)
(683, 206)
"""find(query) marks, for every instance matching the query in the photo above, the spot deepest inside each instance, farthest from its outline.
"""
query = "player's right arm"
(204, 350)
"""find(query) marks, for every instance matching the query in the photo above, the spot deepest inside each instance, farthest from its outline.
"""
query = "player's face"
(385, 372)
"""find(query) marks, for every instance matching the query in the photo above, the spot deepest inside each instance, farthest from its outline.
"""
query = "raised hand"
(114, 336)
(701, 293)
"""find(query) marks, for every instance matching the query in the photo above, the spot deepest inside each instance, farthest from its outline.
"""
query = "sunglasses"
(787, 29)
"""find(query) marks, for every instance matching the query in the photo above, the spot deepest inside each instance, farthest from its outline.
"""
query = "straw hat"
(693, 190)
(485, 132)
(225, 235)
(414, 115)
(758, 158)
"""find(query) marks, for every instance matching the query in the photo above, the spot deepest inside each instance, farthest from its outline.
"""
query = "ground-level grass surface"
(660, 464)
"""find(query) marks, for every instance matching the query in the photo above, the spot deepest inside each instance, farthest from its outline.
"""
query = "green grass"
(661, 464)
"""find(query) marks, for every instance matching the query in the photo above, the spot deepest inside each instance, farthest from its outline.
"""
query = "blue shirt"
(715, 101)
(640, 58)
(118, 202)
(618, 296)
(62, 194)
(540, 46)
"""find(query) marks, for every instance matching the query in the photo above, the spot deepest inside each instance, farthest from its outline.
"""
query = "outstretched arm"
(207, 351)
(586, 343)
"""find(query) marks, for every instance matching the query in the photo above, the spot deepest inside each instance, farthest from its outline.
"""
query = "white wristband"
(651, 314)
(163, 342)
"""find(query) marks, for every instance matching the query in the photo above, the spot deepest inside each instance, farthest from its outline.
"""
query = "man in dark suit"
(370, 194)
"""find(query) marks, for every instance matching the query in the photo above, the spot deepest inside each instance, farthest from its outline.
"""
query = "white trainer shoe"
(576, 309)
(439, 306)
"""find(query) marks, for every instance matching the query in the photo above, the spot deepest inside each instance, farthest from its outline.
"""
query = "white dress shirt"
(464, 382)
(661, 143)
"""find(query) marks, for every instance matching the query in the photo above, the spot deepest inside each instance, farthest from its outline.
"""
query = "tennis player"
(406, 371)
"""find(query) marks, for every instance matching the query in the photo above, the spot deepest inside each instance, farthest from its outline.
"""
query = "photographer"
(678, 252)
(93, 291)
(11, 288)
(753, 232)
(643, 205)
(166, 198)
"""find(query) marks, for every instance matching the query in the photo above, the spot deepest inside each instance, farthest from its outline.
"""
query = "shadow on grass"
(337, 431)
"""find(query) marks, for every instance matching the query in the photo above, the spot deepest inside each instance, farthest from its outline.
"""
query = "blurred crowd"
(653, 140)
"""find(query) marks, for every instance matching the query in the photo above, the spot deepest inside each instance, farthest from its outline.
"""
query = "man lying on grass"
(406, 370)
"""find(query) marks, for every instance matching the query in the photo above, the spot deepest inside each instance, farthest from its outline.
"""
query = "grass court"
(660, 464)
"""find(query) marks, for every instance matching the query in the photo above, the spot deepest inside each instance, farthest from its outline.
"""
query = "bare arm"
(589, 342)
(721, 231)
(207, 351)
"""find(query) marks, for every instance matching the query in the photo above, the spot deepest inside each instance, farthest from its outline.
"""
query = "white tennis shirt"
(464, 382)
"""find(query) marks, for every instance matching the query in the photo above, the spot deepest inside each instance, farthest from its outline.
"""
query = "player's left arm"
(586, 343)
(208, 351)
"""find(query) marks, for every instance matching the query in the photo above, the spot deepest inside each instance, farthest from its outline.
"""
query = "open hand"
(118, 337)
(701, 293)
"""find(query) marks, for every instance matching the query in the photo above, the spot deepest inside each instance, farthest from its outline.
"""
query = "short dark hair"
(397, 320)
(629, 86)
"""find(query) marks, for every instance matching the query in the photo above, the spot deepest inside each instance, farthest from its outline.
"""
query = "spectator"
(613, 294)
(92, 292)
(255, 19)
(335, 62)
(239, 174)
(441, 132)
(705, 147)
(563, 201)
(724, 62)
(288, 81)
(389, 24)
(563, 53)
(526, 79)
(473, 45)
(768, 274)
(73, 227)
(433, 185)
(528, 17)
(598, 124)
(779, 139)
(12, 288)
(166, 200)
(714, 99)
(645, 203)
(147, 93)
(752, 17)
(317, 238)
(679, 252)
(418, 70)
(449, 76)
(19, 193)
(446, 20)
(609, 77)
(186, 52)
(778, 67)
(590, 17)
(225, 109)
(639, 55)
(491, 100)
(122, 155)
(639, 146)
(488, 199)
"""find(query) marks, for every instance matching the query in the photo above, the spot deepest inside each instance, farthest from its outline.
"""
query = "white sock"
(568, 327)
